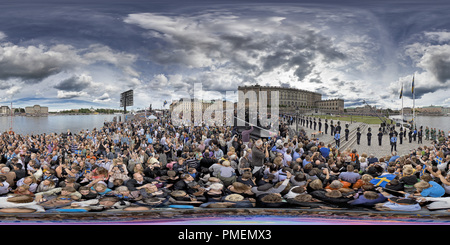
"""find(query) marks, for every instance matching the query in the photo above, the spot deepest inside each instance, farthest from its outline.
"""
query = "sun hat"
(336, 184)
(334, 194)
(303, 198)
(20, 199)
(178, 193)
(240, 187)
(271, 198)
(216, 186)
(234, 198)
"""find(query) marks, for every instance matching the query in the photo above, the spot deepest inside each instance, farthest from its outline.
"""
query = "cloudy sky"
(78, 54)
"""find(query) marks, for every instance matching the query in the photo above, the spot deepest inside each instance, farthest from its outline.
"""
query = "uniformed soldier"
(315, 124)
(338, 127)
(320, 124)
(326, 126)
(369, 136)
(427, 133)
(347, 131)
(380, 137)
(332, 127)
(358, 136)
(419, 136)
(401, 136)
(410, 135)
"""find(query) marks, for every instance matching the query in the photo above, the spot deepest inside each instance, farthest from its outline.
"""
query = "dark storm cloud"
(315, 80)
(33, 63)
(439, 66)
(74, 83)
(420, 91)
(359, 102)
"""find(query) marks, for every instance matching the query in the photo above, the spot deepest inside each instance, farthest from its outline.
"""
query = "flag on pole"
(412, 86)
(165, 102)
(401, 92)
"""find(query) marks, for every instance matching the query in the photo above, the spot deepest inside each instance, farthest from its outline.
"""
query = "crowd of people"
(142, 165)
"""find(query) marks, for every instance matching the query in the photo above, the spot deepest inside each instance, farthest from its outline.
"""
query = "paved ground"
(378, 151)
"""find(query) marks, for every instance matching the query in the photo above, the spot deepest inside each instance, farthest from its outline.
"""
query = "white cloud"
(34, 63)
(103, 98)
(439, 36)
(70, 94)
(14, 90)
(102, 53)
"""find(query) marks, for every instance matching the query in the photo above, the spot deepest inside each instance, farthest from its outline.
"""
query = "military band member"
(380, 137)
(401, 136)
(347, 131)
(369, 136)
(358, 136)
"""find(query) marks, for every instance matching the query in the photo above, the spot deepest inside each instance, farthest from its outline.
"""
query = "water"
(53, 123)
(438, 122)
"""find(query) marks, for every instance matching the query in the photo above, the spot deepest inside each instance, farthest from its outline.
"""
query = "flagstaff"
(414, 103)
(401, 97)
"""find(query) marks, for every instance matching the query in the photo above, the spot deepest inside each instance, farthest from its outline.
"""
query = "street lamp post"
(296, 119)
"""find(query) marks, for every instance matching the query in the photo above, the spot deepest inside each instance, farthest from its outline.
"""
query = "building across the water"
(4, 110)
(292, 99)
(36, 110)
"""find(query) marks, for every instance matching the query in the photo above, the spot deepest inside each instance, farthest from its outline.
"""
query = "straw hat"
(303, 198)
(240, 187)
(219, 205)
(334, 194)
(178, 193)
(316, 184)
(20, 199)
(234, 198)
(271, 198)
(408, 171)
(336, 184)
(151, 200)
(17, 210)
(216, 186)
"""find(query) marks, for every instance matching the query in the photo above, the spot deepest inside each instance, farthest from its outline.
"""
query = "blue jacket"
(436, 190)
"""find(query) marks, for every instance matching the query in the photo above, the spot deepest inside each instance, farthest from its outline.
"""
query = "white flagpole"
(414, 104)
(402, 108)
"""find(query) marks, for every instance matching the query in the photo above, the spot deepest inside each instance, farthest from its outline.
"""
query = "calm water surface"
(438, 122)
(53, 123)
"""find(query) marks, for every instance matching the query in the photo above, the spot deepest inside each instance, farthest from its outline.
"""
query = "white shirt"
(5, 188)
(286, 158)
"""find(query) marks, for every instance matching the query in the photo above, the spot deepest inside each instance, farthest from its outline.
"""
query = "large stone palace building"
(291, 99)
(36, 110)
